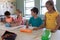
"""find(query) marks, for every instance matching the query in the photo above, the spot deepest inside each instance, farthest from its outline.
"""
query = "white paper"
(2, 27)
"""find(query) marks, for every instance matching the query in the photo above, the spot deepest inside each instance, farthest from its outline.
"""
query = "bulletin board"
(7, 5)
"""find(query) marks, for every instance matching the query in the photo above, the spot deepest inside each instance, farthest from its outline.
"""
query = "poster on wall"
(11, 7)
(7, 5)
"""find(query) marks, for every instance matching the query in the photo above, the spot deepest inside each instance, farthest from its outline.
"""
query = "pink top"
(19, 20)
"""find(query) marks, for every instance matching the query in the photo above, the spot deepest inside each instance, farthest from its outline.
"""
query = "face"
(32, 13)
(49, 7)
(7, 16)
(17, 13)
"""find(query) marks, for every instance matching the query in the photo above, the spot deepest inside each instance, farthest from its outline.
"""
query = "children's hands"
(53, 30)
(35, 28)
(26, 26)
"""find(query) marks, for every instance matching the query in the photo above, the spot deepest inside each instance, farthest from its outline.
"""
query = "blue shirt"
(35, 22)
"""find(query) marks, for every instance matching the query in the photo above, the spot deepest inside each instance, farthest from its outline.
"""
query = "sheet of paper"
(2, 27)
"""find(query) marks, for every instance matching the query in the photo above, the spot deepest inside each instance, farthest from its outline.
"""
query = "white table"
(35, 35)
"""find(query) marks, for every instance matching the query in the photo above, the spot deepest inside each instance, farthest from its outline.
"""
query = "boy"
(35, 21)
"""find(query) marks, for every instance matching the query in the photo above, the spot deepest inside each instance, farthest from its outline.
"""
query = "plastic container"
(46, 35)
(26, 30)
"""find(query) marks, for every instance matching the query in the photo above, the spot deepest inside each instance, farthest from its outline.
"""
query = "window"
(43, 8)
(28, 5)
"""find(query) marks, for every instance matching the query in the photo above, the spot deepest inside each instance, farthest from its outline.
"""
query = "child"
(19, 20)
(51, 16)
(8, 19)
(35, 21)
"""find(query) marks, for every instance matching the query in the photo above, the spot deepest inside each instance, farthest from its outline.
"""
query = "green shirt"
(35, 22)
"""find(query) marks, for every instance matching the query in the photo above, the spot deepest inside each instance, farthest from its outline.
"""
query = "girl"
(19, 20)
(51, 16)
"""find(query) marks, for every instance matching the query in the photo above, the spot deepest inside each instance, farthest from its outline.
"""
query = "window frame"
(25, 8)
(42, 6)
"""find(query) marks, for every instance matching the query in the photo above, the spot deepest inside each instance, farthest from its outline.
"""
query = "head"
(34, 11)
(18, 12)
(7, 14)
(50, 5)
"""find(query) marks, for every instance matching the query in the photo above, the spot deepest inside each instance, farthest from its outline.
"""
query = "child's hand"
(26, 26)
(53, 30)
(35, 28)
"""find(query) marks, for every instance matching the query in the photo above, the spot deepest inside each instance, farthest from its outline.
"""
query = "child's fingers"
(54, 30)
(35, 29)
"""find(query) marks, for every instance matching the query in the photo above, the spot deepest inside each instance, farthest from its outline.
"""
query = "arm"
(57, 26)
(27, 24)
(41, 26)
(13, 20)
(44, 23)
(4, 21)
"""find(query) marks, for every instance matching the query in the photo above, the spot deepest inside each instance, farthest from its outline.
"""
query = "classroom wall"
(20, 5)
(7, 5)
(37, 4)
(58, 5)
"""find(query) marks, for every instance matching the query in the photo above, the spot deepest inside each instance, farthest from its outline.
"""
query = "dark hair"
(35, 10)
(18, 11)
(51, 3)
(7, 13)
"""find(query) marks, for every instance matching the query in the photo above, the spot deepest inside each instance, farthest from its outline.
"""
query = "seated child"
(8, 18)
(35, 21)
(18, 20)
